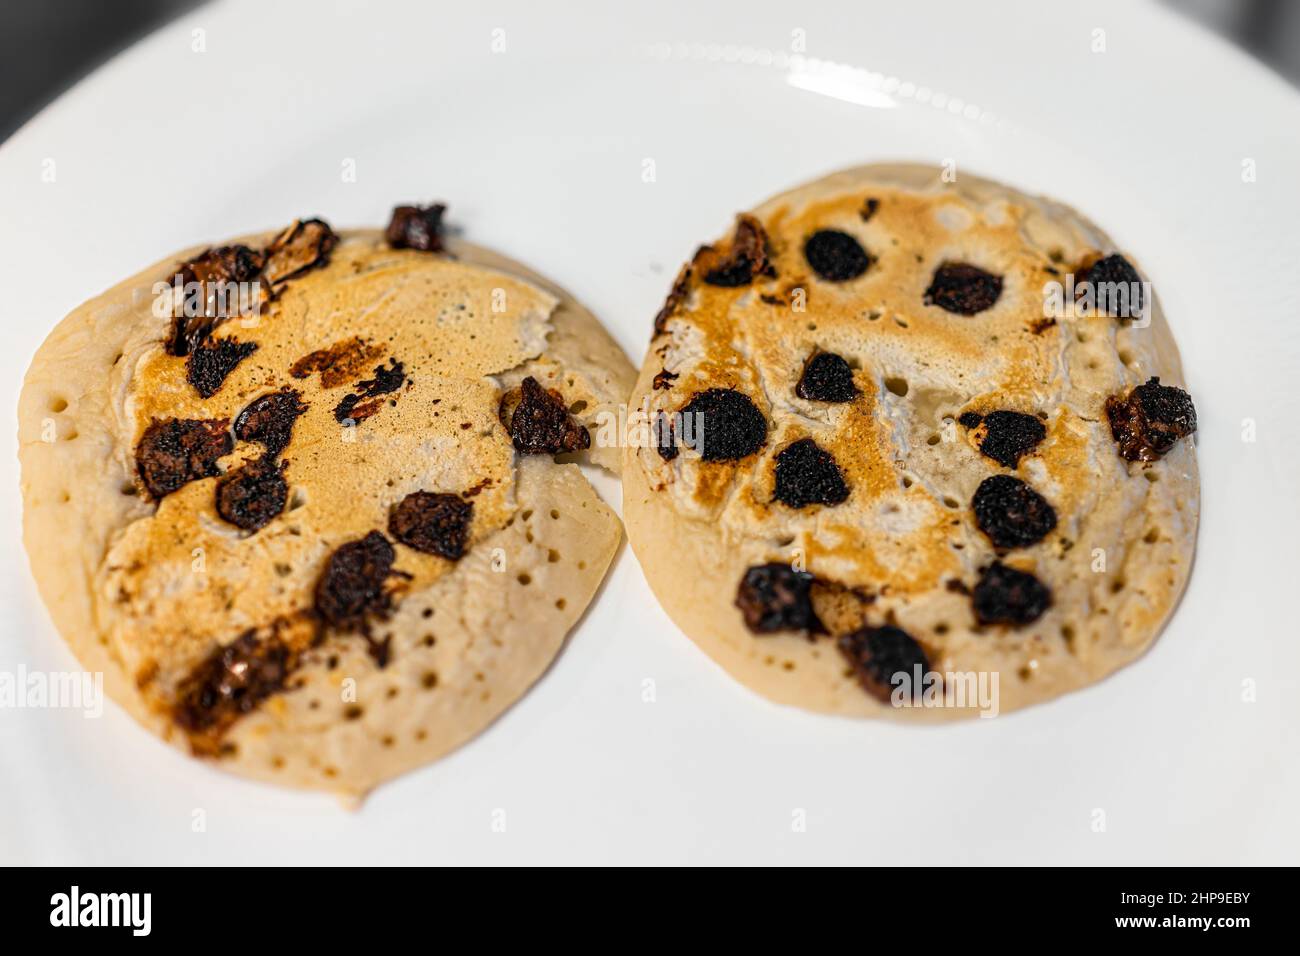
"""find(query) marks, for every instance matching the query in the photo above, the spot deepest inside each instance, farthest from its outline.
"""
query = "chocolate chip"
(869, 209)
(1011, 513)
(1007, 596)
(1008, 436)
(416, 227)
(1147, 423)
(723, 424)
(963, 288)
(269, 420)
(352, 586)
(835, 256)
(251, 495)
(826, 378)
(664, 379)
(231, 682)
(212, 361)
(174, 452)
(775, 597)
(665, 443)
(1116, 286)
(807, 475)
(303, 246)
(746, 259)
(877, 654)
(355, 408)
(213, 270)
(432, 522)
(540, 424)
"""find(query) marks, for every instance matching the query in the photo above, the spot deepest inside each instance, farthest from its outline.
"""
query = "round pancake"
(369, 570)
(921, 467)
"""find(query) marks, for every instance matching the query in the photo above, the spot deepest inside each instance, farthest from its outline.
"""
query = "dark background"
(47, 45)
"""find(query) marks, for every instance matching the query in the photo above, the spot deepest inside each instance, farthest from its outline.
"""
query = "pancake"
(903, 426)
(325, 531)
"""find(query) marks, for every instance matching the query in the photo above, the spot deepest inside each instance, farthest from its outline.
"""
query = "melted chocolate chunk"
(304, 246)
(963, 288)
(826, 378)
(724, 425)
(776, 597)
(1011, 513)
(432, 522)
(213, 270)
(807, 475)
(541, 424)
(387, 379)
(1007, 596)
(665, 443)
(1008, 436)
(747, 258)
(336, 364)
(835, 256)
(269, 420)
(1147, 423)
(869, 209)
(251, 495)
(230, 683)
(351, 589)
(175, 451)
(1116, 286)
(212, 361)
(876, 654)
(664, 379)
(416, 227)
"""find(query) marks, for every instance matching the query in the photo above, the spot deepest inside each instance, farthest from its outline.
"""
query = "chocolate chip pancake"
(904, 434)
(310, 500)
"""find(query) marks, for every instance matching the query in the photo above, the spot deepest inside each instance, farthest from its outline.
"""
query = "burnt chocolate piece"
(826, 378)
(665, 442)
(253, 494)
(231, 682)
(540, 423)
(351, 588)
(775, 597)
(212, 361)
(432, 522)
(724, 425)
(1011, 513)
(1147, 423)
(807, 475)
(269, 420)
(174, 452)
(387, 379)
(963, 288)
(1007, 596)
(1116, 286)
(746, 259)
(1008, 436)
(303, 246)
(835, 256)
(416, 227)
(877, 654)
(213, 269)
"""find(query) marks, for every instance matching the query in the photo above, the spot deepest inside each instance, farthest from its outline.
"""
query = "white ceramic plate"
(538, 127)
